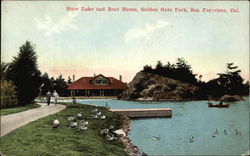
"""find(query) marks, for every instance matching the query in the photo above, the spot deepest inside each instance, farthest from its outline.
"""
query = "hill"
(148, 86)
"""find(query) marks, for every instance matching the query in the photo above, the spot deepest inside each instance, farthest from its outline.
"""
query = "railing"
(60, 100)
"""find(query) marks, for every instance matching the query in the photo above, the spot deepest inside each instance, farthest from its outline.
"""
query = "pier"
(143, 113)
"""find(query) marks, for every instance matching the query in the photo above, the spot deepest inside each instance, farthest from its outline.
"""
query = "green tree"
(69, 81)
(4, 69)
(60, 86)
(24, 73)
(183, 72)
(47, 84)
(231, 81)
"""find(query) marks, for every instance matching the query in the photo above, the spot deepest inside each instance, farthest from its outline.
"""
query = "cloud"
(136, 33)
(49, 26)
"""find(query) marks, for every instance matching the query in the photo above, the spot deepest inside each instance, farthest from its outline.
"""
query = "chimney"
(73, 78)
(120, 77)
(94, 75)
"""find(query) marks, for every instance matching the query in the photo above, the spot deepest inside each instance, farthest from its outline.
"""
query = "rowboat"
(220, 105)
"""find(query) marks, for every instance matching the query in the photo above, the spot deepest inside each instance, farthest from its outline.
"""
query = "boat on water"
(220, 105)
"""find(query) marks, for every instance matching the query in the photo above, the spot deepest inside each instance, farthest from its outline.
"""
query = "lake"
(191, 118)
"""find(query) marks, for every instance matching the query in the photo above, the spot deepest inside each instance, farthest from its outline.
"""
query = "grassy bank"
(39, 138)
(7, 111)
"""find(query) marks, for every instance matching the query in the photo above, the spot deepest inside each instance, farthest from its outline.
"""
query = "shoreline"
(130, 149)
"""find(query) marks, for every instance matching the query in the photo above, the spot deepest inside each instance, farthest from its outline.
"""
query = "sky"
(116, 43)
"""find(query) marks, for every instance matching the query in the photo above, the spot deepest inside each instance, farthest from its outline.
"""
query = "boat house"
(97, 86)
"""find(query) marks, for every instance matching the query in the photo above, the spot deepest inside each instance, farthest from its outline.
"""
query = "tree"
(47, 85)
(229, 82)
(69, 81)
(60, 86)
(147, 69)
(4, 69)
(181, 70)
(24, 74)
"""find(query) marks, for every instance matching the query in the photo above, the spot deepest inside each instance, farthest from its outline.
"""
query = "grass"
(7, 111)
(39, 138)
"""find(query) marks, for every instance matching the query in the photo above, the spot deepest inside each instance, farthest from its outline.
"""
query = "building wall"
(100, 80)
(106, 92)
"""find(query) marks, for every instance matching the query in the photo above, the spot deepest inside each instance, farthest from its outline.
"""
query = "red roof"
(86, 83)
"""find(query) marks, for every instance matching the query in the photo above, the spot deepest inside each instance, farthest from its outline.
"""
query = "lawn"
(40, 138)
(7, 111)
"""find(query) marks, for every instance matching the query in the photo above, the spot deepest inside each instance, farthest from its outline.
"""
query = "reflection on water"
(170, 136)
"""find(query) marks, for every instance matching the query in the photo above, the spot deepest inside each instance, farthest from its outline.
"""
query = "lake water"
(192, 118)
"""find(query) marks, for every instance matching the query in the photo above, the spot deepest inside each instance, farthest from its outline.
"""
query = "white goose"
(55, 123)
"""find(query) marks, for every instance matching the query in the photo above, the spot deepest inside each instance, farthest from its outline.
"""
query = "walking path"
(16, 120)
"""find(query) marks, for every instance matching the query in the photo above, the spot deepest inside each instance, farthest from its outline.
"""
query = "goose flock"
(216, 132)
(80, 122)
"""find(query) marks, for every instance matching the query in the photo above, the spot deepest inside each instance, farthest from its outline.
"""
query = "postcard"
(125, 78)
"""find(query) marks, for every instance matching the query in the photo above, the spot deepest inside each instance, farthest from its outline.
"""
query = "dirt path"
(16, 120)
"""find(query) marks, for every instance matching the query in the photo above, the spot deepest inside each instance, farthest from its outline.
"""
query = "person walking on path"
(56, 96)
(48, 96)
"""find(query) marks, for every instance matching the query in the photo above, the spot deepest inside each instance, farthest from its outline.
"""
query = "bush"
(8, 95)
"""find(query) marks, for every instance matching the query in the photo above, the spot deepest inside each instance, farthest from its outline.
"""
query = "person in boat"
(221, 103)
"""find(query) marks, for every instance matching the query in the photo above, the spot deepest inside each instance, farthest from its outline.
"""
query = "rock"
(119, 132)
(231, 98)
(147, 86)
(55, 123)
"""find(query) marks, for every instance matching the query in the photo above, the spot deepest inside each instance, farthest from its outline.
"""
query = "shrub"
(8, 95)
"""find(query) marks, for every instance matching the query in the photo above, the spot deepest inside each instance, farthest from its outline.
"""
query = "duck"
(214, 134)
(103, 117)
(191, 139)
(225, 132)
(237, 132)
(216, 131)
(155, 138)
(55, 123)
